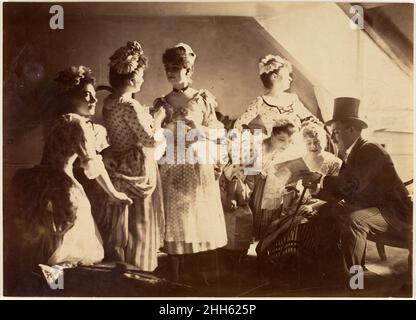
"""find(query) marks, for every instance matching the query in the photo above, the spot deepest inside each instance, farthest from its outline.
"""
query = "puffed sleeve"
(101, 138)
(91, 162)
(252, 112)
(141, 122)
(301, 111)
(93, 166)
(210, 118)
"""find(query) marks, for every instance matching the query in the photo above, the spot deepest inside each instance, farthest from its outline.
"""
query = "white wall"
(346, 62)
(227, 48)
(400, 147)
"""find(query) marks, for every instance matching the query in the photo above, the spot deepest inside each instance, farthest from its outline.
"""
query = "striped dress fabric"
(135, 232)
(261, 217)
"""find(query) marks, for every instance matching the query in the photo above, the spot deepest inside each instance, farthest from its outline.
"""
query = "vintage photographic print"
(207, 149)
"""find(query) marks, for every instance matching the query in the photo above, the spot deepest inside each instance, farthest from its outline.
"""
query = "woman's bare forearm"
(105, 182)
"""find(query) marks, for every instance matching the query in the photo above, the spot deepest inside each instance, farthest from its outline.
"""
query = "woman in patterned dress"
(194, 217)
(264, 112)
(266, 109)
(266, 196)
(53, 220)
(317, 159)
(135, 232)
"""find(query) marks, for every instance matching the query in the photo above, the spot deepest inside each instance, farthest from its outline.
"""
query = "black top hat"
(346, 108)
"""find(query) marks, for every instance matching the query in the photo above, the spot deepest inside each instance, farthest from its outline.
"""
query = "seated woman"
(265, 200)
(317, 159)
(301, 232)
(53, 214)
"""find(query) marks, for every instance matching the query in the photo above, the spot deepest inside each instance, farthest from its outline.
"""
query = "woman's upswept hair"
(285, 125)
(74, 78)
(125, 62)
(272, 64)
(70, 83)
(311, 129)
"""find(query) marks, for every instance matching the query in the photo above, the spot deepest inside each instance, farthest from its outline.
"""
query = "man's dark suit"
(374, 198)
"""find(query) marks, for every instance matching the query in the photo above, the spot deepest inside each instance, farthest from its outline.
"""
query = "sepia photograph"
(235, 149)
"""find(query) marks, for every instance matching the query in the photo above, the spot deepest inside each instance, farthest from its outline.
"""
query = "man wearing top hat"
(367, 195)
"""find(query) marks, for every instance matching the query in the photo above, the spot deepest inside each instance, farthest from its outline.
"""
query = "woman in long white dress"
(194, 217)
(54, 221)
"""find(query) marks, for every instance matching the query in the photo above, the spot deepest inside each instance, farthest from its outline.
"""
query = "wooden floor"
(383, 279)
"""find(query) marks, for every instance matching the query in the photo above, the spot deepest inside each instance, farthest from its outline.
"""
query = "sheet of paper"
(287, 170)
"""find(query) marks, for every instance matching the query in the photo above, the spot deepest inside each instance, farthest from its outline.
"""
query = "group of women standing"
(135, 207)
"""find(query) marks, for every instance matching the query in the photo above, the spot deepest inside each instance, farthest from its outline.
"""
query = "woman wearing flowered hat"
(54, 214)
(135, 232)
(194, 216)
(274, 73)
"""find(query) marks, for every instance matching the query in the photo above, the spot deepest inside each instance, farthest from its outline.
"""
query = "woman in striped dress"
(136, 232)
(267, 193)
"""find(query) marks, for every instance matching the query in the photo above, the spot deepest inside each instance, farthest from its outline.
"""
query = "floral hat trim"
(72, 76)
(128, 58)
(270, 63)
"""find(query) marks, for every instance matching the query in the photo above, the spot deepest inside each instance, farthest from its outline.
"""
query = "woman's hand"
(231, 206)
(160, 115)
(306, 210)
(120, 197)
(310, 179)
(190, 123)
